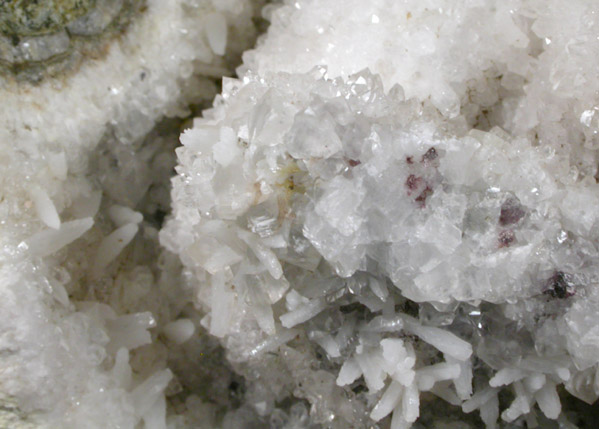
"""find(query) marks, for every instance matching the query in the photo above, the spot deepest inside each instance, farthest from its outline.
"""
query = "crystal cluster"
(90, 305)
(395, 204)
(386, 220)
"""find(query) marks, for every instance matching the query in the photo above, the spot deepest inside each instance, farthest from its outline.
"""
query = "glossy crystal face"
(41, 38)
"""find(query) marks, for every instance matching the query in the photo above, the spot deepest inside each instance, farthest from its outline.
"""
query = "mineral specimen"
(394, 204)
(386, 220)
(84, 187)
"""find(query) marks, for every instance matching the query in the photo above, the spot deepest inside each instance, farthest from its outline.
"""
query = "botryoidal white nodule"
(395, 203)
(85, 289)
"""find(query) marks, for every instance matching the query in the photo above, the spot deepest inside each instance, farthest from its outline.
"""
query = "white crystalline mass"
(408, 200)
(400, 197)
(388, 219)
(527, 66)
(84, 285)
(160, 64)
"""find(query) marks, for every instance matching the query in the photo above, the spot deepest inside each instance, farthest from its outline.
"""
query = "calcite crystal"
(393, 206)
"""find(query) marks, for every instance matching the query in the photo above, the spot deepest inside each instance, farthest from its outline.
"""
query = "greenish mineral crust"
(20, 18)
(12, 417)
(50, 38)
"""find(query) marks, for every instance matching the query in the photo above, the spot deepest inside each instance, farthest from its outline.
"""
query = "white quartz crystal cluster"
(391, 218)
(90, 305)
(388, 219)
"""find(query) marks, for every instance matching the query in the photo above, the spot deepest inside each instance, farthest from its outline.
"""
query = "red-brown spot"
(511, 212)
(421, 199)
(430, 155)
(410, 159)
(413, 183)
(560, 285)
(506, 238)
(354, 163)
